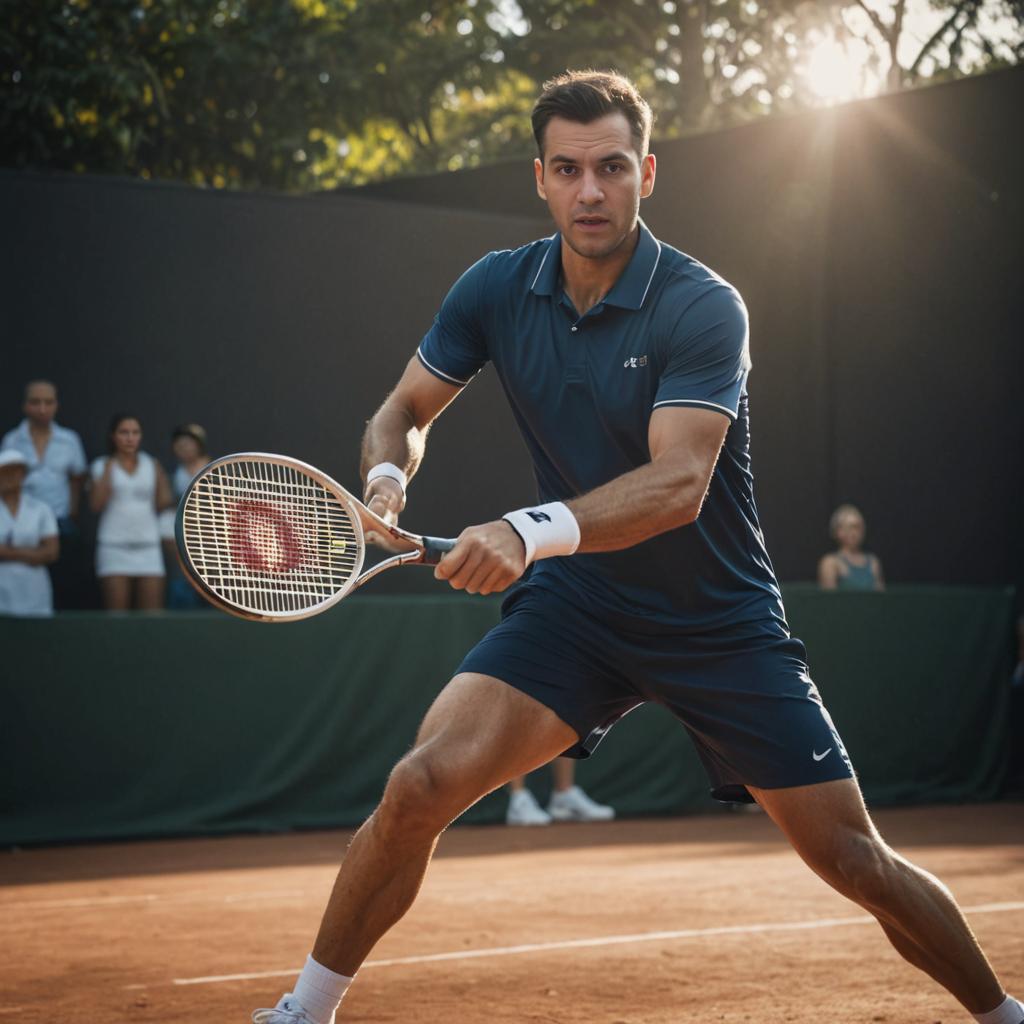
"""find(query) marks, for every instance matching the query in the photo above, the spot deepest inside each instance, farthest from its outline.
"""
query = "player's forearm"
(652, 499)
(392, 436)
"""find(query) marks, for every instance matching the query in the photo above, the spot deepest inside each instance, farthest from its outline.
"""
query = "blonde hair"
(841, 513)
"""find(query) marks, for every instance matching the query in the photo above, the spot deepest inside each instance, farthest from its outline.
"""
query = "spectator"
(56, 470)
(188, 442)
(129, 488)
(28, 542)
(568, 802)
(849, 567)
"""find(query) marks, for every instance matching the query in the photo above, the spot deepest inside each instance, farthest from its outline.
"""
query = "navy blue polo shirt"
(583, 388)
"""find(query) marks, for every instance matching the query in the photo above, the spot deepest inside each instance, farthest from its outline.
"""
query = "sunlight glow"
(832, 72)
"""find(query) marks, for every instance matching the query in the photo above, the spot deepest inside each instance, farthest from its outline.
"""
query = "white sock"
(319, 991)
(1009, 1011)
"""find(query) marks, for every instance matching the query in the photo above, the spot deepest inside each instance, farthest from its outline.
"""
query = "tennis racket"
(270, 538)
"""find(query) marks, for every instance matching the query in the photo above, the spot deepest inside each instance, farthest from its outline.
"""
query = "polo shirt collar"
(628, 292)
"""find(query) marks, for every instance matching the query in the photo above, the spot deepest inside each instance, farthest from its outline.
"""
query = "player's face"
(593, 180)
(41, 404)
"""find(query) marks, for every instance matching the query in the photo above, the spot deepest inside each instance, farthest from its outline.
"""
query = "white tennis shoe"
(573, 804)
(523, 809)
(287, 1011)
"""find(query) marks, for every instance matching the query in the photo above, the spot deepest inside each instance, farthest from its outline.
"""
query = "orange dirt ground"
(105, 933)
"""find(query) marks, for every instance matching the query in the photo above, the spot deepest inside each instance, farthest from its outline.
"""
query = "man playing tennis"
(625, 362)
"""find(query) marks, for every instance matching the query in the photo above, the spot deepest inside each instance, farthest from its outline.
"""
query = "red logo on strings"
(262, 538)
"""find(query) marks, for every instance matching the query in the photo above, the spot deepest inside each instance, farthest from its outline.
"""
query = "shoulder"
(687, 285)
(67, 435)
(503, 267)
(14, 435)
(97, 464)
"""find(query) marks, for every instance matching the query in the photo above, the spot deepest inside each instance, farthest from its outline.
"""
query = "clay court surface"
(154, 931)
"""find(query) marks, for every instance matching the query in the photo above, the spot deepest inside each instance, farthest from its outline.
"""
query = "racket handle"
(434, 548)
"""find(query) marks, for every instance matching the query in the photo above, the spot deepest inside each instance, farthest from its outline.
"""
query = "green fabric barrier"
(119, 726)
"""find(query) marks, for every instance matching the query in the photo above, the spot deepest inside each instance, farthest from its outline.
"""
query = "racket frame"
(425, 550)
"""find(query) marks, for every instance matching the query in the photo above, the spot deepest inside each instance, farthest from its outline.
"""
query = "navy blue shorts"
(745, 697)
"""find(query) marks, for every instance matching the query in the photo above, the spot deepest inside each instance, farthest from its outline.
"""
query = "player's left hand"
(486, 559)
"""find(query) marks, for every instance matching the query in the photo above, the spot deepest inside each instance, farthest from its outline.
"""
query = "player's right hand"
(385, 497)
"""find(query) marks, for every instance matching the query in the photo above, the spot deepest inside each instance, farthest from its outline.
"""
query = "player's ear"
(538, 173)
(648, 168)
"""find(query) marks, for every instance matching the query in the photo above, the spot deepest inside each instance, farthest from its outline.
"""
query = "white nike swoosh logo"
(821, 757)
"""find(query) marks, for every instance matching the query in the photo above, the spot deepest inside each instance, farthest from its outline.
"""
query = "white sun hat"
(12, 457)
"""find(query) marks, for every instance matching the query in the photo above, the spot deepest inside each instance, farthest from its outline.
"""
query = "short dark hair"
(585, 96)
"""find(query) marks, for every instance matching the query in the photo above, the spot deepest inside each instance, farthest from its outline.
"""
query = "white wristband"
(546, 530)
(388, 469)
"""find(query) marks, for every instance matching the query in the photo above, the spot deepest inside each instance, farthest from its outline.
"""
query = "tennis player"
(625, 363)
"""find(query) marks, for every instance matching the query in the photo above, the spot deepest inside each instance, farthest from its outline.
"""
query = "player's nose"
(590, 189)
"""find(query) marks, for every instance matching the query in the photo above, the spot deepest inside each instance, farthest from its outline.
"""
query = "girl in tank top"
(849, 567)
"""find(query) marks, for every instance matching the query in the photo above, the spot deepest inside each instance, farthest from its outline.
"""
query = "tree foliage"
(307, 94)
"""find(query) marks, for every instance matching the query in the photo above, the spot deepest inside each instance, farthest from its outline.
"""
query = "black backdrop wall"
(877, 246)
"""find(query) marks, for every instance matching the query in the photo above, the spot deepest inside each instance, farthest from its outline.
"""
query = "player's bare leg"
(829, 827)
(478, 734)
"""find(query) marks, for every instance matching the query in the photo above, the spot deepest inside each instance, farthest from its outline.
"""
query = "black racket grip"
(434, 548)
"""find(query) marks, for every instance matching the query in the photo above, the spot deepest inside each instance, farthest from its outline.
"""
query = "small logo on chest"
(634, 361)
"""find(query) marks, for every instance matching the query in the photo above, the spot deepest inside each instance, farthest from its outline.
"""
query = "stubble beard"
(605, 251)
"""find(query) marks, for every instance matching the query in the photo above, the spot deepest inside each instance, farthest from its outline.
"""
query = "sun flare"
(833, 73)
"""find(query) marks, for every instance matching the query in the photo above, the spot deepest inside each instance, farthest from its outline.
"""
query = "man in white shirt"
(56, 465)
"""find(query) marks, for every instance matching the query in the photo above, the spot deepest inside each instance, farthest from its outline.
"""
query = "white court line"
(149, 897)
(607, 940)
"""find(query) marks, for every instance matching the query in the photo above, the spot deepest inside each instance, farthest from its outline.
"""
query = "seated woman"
(849, 567)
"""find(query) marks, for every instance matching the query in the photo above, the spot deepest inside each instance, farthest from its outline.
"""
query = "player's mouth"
(591, 223)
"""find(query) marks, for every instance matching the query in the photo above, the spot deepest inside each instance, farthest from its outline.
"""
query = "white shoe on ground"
(523, 809)
(287, 1011)
(573, 804)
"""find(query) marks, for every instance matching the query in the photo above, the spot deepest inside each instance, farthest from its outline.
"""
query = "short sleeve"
(455, 347)
(78, 463)
(47, 521)
(96, 469)
(708, 355)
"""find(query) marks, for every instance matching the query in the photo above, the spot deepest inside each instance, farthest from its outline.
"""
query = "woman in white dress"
(129, 489)
(28, 542)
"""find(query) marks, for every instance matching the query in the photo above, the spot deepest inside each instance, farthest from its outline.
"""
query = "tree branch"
(936, 37)
(875, 20)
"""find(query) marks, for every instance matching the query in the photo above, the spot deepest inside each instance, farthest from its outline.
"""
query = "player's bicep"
(422, 395)
(689, 439)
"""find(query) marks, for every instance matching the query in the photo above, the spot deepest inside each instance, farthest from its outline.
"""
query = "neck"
(588, 280)
(40, 428)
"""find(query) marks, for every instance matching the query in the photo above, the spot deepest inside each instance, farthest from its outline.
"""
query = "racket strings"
(269, 538)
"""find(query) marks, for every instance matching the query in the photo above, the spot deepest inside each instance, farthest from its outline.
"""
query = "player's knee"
(416, 798)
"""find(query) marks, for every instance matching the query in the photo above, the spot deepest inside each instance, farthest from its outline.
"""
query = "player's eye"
(566, 170)
(613, 168)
